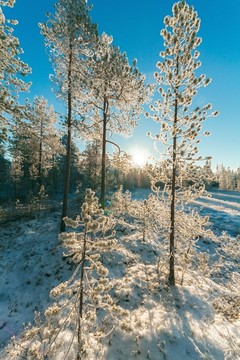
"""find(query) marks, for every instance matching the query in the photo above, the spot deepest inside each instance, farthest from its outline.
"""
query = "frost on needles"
(85, 310)
(180, 120)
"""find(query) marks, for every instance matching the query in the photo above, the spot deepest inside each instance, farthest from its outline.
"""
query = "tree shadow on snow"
(174, 328)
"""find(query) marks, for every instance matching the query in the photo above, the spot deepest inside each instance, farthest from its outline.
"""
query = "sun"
(139, 157)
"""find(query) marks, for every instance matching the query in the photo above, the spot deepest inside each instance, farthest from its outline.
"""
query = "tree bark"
(40, 157)
(80, 309)
(104, 142)
(69, 139)
(171, 277)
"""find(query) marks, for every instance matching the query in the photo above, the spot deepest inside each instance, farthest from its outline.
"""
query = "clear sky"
(135, 26)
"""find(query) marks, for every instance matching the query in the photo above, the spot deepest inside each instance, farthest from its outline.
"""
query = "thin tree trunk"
(40, 158)
(69, 138)
(95, 166)
(80, 310)
(104, 138)
(171, 277)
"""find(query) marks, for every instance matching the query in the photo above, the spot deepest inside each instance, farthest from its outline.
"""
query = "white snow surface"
(196, 320)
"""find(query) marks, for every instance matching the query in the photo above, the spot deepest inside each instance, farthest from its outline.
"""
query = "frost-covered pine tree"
(226, 178)
(180, 118)
(150, 221)
(85, 310)
(121, 165)
(118, 93)
(36, 142)
(69, 35)
(238, 179)
(121, 203)
(43, 136)
(91, 165)
(12, 70)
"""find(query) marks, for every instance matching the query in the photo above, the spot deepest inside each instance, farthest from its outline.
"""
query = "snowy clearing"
(223, 210)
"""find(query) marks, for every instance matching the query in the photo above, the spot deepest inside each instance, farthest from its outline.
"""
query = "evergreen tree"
(35, 144)
(86, 300)
(120, 164)
(91, 165)
(12, 70)
(238, 179)
(43, 137)
(181, 122)
(69, 35)
(5, 186)
(118, 93)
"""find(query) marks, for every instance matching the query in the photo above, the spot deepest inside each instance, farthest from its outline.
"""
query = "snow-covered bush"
(121, 203)
(135, 214)
(151, 217)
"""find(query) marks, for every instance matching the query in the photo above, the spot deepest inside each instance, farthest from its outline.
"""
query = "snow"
(224, 211)
(196, 320)
(31, 265)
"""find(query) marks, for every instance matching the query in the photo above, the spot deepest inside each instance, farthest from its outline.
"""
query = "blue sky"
(135, 26)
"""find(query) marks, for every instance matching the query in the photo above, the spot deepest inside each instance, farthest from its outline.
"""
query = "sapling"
(87, 249)
(85, 311)
(148, 217)
(121, 202)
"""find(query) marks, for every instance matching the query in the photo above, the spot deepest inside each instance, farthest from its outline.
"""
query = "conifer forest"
(103, 256)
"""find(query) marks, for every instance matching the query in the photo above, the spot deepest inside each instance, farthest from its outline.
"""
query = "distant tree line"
(20, 180)
(227, 179)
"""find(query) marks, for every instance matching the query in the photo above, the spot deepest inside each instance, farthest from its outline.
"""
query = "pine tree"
(147, 213)
(4, 172)
(118, 93)
(181, 122)
(91, 165)
(69, 35)
(121, 203)
(35, 143)
(227, 178)
(74, 325)
(43, 137)
(12, 70)
(238, 179)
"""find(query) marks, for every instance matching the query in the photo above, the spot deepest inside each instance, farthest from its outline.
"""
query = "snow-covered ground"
(197, 320)
(31, 264)
(223, 210)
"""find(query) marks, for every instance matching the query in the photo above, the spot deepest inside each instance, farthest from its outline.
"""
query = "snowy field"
(198, 320)
(223, 210)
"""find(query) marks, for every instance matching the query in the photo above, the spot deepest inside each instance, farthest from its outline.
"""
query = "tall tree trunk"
(104, 142)
(40, 158)
(80, 309)
(69, 139)
(171, 277)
